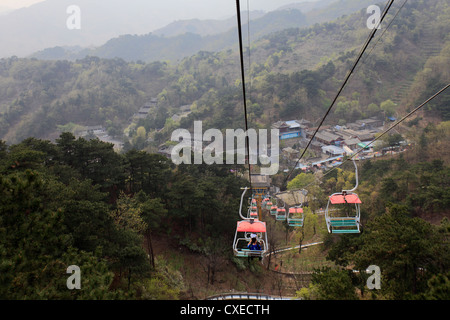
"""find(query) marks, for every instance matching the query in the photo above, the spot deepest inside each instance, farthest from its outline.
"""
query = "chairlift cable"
(402, 119)
(241, 55)
(387, 130)
(384, 31)
(248, 39)
(366, 44)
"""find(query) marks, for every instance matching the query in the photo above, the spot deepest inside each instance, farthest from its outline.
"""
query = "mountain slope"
(294, 73)
(184, 38)
(43, 25)
(154, 47)
(202, 27)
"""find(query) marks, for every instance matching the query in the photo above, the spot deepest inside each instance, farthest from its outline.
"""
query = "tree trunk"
(150, 248)
(268, 261)
(213, 272)
(129, 278)
(301, 241)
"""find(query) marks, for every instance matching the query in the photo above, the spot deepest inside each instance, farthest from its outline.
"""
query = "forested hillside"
(141, 227)
(293, 73)
(182, 39)
(405, 216)
(78, 202)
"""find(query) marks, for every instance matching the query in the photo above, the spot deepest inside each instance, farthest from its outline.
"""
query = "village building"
(351, 143)
(185, 110)
(290, 153)
(147, 108)
(92, 130)
(326, 137)
(362, 135)
(366, 124)
(260, 184)
(165, 150)
(333, 151)
(292, 128)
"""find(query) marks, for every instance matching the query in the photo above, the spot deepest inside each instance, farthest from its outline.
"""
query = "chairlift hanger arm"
(356, 174)
(366, 44)
(242, 200)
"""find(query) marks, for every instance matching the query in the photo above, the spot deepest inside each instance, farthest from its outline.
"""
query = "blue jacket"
(254, 246)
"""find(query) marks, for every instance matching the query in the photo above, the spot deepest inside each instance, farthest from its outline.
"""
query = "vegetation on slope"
(76, 201)
(291, 71)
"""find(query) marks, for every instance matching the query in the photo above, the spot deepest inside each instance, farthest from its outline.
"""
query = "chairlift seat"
(273, 210)
(336, 222)
(349, 224)
(295, 210)
(248, 253)
(245, 230)
(281, 214)
(247, 226)
(295, 222)
(240, 243)
(345, 231)
(344, 198)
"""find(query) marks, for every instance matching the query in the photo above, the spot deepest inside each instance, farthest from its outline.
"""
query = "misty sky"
(202, 9)
(44, 23)
(16, 4)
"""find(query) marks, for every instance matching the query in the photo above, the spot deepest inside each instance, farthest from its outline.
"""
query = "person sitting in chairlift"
(254, 245)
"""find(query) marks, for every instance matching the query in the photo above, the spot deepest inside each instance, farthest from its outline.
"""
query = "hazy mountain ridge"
(139, 227)
(4, 10)
(307, 5)
(43, 25)
(294, 72)
(203, 27)
(154, 46)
